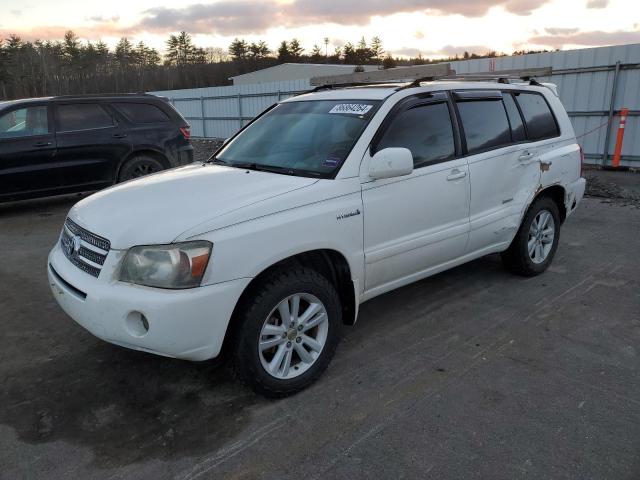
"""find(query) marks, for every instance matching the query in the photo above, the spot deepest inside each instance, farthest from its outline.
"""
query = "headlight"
(178, 265)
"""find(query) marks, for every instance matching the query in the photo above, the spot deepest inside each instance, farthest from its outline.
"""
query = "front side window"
(311, 138)
(82, 116)
(537, 115)
(426, 130)
(485, 124)
(24, 122)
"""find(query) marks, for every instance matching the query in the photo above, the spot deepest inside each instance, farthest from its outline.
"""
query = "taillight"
(186, 132)
(581, 160)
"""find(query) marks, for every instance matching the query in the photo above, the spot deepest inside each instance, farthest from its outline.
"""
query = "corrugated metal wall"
(585, 80)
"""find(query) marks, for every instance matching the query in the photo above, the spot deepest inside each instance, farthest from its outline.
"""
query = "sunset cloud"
(228, 17)
(587, 38)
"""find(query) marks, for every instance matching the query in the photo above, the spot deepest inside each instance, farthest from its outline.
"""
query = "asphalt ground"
(473, 373)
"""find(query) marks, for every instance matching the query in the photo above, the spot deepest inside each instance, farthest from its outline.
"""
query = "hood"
(158, 208)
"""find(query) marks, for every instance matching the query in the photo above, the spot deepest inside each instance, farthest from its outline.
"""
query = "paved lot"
(473, 373)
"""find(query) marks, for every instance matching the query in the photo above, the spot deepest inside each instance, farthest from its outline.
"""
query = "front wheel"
(287, 332)
(536, 242)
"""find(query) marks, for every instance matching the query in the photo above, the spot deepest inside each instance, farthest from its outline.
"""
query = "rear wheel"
(139, 167)
(536, 242)
(287, 332)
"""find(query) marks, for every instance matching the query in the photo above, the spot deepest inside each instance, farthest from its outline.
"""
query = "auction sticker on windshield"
(352, 108)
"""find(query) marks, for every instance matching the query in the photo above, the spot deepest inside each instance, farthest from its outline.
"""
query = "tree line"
(70, 66)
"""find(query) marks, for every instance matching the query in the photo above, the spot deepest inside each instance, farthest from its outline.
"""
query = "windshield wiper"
(265, 168)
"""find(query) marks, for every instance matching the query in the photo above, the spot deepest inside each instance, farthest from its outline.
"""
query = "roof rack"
(411, 77)
(331, 86)
(101, 95)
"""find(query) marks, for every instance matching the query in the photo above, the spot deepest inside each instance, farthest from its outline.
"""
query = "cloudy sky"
(406, 27)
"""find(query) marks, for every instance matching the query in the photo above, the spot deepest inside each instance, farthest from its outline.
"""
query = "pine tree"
(238, 49)
(284, 54)
(377, 51)
(316, 53)
(295, 49)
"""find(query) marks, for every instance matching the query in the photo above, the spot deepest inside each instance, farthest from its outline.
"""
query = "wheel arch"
(161, 157)
(557, 193)
(331, 264)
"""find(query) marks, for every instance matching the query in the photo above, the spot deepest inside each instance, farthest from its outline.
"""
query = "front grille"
(84, 249)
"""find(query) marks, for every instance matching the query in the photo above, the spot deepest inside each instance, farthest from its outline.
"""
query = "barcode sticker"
(352, 108)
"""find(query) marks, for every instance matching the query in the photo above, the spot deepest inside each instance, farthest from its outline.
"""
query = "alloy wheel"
(541, 235)
(293, 336)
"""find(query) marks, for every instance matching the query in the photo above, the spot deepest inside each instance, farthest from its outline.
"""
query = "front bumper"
(188, 324)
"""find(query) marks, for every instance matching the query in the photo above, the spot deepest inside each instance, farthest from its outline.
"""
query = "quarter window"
(426, 130)
(24, 122)
(517, 127)
(485, 124)
(82, 116)
(538, 116)
(142, 112)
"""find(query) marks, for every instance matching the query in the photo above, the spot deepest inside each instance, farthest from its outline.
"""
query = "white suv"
(321, 203)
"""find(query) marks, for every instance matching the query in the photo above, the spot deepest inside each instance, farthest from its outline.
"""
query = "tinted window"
(82, 116)
(425, 130)
(517, 127)
(24, 122)
(142, 112)
(485, 124)
(537, 115)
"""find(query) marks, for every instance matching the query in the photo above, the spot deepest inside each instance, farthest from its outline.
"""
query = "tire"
(261, 313)
(139, 166)
(517, 258)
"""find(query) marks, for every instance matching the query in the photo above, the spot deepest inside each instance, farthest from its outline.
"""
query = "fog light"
(137, 324)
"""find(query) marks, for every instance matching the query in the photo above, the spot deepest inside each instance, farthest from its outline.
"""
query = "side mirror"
(391, 162)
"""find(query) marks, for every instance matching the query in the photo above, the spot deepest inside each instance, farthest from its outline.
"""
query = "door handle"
(119, 135)
(526, 155)
(42, 144)
(456, 174)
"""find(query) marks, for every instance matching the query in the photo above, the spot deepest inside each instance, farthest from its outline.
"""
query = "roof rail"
(411, 77)
(331, 86)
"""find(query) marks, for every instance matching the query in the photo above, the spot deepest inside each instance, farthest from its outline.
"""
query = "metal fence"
(594, 84)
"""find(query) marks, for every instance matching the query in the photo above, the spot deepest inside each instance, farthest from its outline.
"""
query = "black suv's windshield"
(308, 138)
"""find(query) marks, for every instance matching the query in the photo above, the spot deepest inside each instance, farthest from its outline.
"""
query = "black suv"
(56, 145)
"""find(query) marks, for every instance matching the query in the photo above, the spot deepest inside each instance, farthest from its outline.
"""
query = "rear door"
(503, 169)
(91, 144)
(27, 148)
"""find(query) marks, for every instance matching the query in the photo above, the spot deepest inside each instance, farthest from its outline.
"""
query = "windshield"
(311, 138)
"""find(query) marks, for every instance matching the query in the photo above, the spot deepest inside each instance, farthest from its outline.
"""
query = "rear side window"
(517, 127)
(24, 122)
(537, 115)
(485, 124)
(426, 130)
(142, 112)
(82, 116)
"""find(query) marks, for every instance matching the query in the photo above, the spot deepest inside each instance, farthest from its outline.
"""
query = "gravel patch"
(203, 148)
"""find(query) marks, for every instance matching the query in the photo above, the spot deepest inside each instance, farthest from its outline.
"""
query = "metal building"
(593, 83)
(294, 71)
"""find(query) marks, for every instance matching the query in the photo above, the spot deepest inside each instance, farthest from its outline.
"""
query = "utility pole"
(326, 51)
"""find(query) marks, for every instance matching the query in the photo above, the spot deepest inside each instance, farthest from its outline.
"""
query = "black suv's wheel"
(138, 167)
(536, 242)
(287, 332)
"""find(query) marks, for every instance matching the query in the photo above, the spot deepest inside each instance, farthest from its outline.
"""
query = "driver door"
(416, 223)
